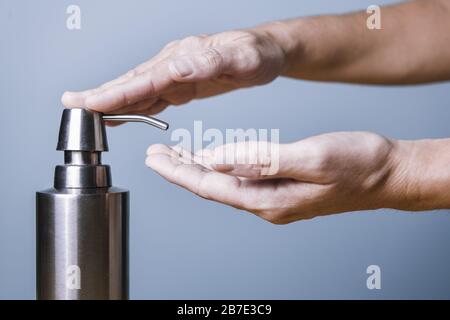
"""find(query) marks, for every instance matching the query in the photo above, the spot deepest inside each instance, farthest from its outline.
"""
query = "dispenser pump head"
(82, 137)
(84, 130)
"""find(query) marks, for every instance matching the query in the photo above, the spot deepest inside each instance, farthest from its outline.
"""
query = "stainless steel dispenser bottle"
(82, 223)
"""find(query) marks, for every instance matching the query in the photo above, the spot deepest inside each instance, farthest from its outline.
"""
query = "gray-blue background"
(183, 246)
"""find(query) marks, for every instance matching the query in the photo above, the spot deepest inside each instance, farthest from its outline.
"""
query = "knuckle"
(96, 90)
(213, 58)
(176, 175)
(131, 74)
(150, 89)
(191, 40)
(124, 99)
(247, 36)
(171, 44)
(202, 189)
(254, 57)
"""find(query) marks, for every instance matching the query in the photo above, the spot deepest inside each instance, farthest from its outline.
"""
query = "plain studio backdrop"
(182, 246)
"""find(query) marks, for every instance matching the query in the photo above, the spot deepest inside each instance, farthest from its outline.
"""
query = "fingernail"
(72, 100)
(182, 67)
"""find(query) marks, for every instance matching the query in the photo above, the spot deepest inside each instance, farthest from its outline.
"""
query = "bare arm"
(412, 46)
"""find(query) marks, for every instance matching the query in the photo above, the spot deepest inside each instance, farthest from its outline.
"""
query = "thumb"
(250, 159)
(203, 65)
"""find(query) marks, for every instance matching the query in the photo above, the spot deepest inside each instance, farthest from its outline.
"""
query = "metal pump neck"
(82, 157)
(82, 137)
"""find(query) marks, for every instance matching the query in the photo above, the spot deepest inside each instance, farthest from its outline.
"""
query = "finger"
(176, 152)
(141, 68)
(157, 107)
(195, 178)
(148, 84)
(74, 99)
(77, 99)
(138, 107)
(160, 148)
(114, 123)
(179, 93)
(161, 56)
(250, 159)
(303, 160)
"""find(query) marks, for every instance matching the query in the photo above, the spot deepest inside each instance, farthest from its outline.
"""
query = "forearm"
(419, 178)
(413, 45)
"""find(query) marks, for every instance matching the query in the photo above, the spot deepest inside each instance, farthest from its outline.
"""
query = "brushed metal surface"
(82, 130)
(82, 244)
(82, 157)
(82, 176)
(137, 118)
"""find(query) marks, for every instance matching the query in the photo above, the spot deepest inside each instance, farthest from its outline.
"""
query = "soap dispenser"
(82, 222)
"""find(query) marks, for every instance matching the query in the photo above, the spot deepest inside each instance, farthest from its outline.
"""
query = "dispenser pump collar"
(84, 130)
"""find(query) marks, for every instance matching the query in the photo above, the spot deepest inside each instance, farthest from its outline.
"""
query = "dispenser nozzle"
(137, 118)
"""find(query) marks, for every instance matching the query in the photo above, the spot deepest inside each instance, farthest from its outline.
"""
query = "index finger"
(205, 183)
(142, 86)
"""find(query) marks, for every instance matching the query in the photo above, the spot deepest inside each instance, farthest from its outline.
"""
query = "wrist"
(419, 177)
(280, 34)
(314, 46)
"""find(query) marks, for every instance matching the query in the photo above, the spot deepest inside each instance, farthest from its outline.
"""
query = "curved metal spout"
(137, 118)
